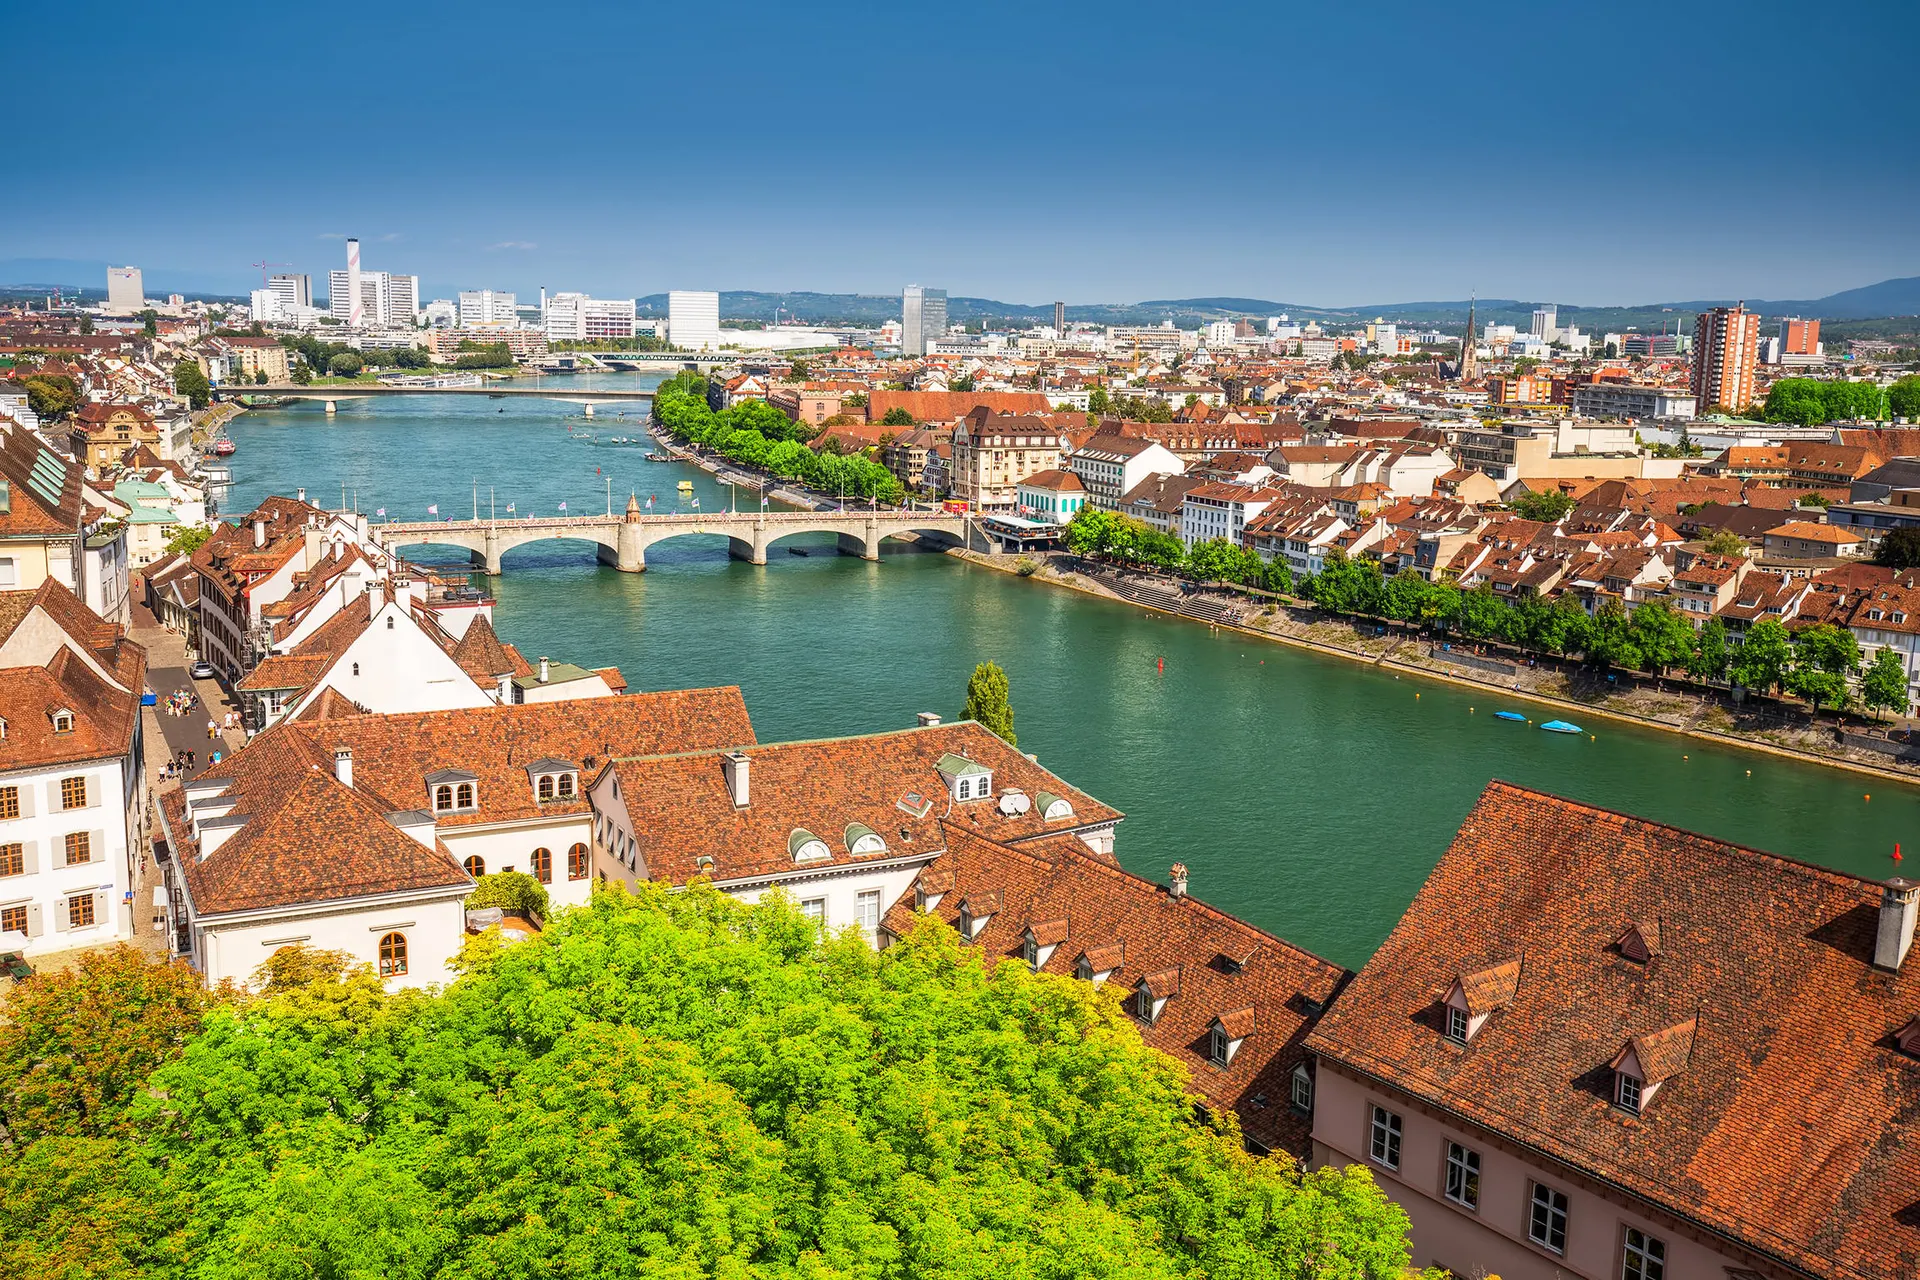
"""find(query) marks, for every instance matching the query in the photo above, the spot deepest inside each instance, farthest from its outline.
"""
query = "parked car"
(202, 671)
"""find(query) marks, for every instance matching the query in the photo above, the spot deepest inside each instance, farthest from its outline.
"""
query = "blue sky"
(1328, 154)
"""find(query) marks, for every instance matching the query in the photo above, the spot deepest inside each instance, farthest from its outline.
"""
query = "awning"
(12, 942)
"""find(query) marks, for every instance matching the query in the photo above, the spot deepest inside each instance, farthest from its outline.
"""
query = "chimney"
(928, 719)
(735, 765)
(303, 495)
(1177, 881)
(259, 533)
(343, 765)
(1898, 900)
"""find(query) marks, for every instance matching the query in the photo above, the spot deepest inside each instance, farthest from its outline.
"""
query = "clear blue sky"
(1329, 154)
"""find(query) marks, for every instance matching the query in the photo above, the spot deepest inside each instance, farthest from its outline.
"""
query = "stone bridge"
(622, 541)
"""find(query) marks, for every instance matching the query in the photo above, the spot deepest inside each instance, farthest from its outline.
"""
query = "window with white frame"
(1302, 1092)
(815, 909)
(1384, 1146)
(1219, 1047)
(1547, 1221)
(1463, 1176)
(1627, 1091)
(866, 909)
(1643, 1258)
(1457, 1024)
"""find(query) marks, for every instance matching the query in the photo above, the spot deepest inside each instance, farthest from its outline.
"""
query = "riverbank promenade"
(622, 540)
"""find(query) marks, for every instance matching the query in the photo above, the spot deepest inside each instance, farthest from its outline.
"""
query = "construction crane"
(265, 267)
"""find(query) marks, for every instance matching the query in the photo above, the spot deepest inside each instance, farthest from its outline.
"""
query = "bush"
(514, 892)
(1026, 566)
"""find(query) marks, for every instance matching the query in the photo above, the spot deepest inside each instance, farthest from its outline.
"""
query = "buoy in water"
(1896, 852)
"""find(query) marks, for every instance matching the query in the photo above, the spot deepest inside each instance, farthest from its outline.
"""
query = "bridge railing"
(683, 517)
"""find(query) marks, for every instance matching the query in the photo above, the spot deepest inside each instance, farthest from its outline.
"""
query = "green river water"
(1307, 794)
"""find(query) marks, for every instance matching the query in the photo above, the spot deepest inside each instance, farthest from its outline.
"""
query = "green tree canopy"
(1812, 401)
(1903, 397)
(50, 395)
(1884, 684)
(988, 701)
(683, 1086)
(897, 417)
(345, 363)
(514, 892)
(188, 539)
(1725, 542)
(1899, 549)
(1546, 506)
(1761, 660)
(190, 381)
(1711, 654)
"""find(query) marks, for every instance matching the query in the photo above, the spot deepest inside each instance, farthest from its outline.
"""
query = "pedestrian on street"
(212, 729)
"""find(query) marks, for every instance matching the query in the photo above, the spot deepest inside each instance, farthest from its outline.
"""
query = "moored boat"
(225, 448)
(1561, 726)
(1508, 715)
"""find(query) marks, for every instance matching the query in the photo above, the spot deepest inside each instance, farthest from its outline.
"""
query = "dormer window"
(1473, 998)
(1647, 1062)
(1227, 1033)
(1052, 808)
(1907, 1038)
(1101, 963)
(1301, 1092)
(975, 911)
(63, 721)
(966, 779)
(1151, 993)
(862, 840)
(452, 791)
(804, 846)
(554, 780)
(546, 786)
(1639, 942)
(1039, 941)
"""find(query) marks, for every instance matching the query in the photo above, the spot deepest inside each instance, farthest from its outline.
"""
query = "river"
(1307, 794)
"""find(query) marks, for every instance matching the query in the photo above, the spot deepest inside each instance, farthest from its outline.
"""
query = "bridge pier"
(331, 408)
(588, 407)
(865, 545)
(489, 556)
(629, 550)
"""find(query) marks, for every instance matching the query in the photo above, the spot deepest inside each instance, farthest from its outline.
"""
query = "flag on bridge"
(696, 504)
(381, 512)
(649, 502)
(509, 508)
(563, 506)
(434, 510)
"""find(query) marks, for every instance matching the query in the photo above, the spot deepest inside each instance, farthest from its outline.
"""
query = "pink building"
(1600, 1047)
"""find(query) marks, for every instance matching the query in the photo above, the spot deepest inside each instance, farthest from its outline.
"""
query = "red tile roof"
(1787, 1122)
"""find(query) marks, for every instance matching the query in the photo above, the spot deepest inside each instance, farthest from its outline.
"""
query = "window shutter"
(102, 903)
(60, 915)
(30, 856)
(34, 927)
(100, 846)
(53, 796)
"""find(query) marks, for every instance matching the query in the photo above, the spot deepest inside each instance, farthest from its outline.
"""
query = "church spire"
(1468, 367)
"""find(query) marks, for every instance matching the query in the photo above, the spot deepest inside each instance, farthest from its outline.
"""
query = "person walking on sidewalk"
(212, 729)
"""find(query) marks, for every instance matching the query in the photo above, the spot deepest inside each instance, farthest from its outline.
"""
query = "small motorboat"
(1508, 715)
(659, 457)
(1561, 726)
(225, 449)
(685, 486)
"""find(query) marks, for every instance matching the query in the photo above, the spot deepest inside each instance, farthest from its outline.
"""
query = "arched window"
(546, 786)
(966, 788)
(356, 668)
(566, 785)
(475, 865)
(393, 955)
(543, 865)
(443, 797)
(466, 795)
(577, 862)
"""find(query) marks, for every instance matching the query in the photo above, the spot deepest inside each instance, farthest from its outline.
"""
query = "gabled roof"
(1173, 944)
(1792, 1128)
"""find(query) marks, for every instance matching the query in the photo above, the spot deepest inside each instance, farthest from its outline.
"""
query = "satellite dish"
(1009, 805)
(1021, 803)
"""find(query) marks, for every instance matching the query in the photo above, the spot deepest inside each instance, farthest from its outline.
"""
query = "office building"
(1796, 345)
(1650, 344)
(693, 319)
(487, 308)
(125, 293)
(923, 318)
(371, 299)
(574, 317)
(1630, 400)
(1726, 343)
(1546, 323)
(1060, 319)
(292, 291)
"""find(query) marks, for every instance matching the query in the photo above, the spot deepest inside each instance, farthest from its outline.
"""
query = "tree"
(1710, 655)
(345, 364)
(259, 377)
(1098, 402)
(302, 374)
(514, 892)
(677, 1083)
(987, 701)
(1899, 549)
(86, 323)
(1725, 542)
(1760, 662)
(1548, 506)
(191, 382)
(149, 322)
(188, 539)
(1824, 656)
(76, 1045)
(1662, 637)
(1610, 641)
(1812, 401)
(50, 395)
(1903, 397)
(897, 417)
(1884, 685)
(801, 371)
(962, 383)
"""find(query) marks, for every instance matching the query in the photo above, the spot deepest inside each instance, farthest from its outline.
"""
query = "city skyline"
(1347, 159)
